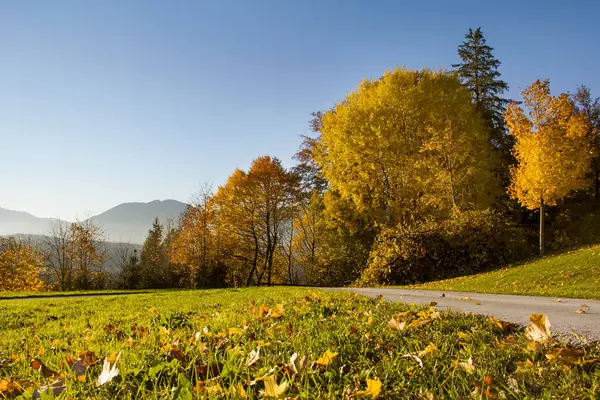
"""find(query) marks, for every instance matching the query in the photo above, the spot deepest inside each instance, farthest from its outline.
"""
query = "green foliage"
(570, 274)
(466, 243)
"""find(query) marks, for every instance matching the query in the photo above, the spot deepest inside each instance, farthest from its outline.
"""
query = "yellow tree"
(407, 147)
(252, 208)
(87, 254)
(20, 267)
(552, 149)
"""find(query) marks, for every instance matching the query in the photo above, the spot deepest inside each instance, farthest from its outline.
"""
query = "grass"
(200, 344)
(75, 293)
(573, 274)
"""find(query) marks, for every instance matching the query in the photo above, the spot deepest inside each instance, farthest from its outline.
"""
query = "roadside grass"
(241, 344)
(572, 274)
(74, 293)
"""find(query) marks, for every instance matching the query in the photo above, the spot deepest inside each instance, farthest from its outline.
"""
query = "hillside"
(127, 222)
(572, 274)
(130, 222)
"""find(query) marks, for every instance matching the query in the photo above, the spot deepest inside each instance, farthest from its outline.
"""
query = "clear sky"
(104, 102)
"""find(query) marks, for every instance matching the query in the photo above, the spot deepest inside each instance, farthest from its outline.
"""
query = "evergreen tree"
(478, 71)
(154, 260)
(131, 274)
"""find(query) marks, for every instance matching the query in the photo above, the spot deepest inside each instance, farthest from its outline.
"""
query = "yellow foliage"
(20, 267)
(552, 149)
(405, 146)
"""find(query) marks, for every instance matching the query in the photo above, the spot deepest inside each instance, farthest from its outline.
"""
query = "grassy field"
(276, 343)
(573, 274)
(25, 295)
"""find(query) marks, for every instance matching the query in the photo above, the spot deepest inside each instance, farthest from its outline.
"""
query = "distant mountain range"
(125, 223)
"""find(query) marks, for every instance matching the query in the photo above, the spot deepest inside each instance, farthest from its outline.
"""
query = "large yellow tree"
(407, 147)
(552, 149)
(20, 266)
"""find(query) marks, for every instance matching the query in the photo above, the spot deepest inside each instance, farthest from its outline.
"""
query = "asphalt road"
(562, 313)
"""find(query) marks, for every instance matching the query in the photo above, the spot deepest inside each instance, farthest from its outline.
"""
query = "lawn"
(572, 274)
(276, 343)
(25, 295)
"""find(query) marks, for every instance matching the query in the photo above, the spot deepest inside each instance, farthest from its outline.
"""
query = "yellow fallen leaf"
(539, 329)
(326, 358)
(397, 326)
(235, 331)
(430, 349)
(272, 389)
(373, 389)
(238, 392)
(277, 312)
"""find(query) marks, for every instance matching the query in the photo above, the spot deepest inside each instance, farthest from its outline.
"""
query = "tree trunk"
(541, 226)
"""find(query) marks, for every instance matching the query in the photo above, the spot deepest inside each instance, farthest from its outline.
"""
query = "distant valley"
(125, 223)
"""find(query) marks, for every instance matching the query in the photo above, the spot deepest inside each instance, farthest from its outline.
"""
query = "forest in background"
(415, 176)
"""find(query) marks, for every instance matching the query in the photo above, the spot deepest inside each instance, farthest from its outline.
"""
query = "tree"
(57, 251)
(478, 71)
(552, 148)
(87, 254)
(405, 148)
(154, 258)
(590, 109)
(20, 267)
(252, 207)
(195, 250)
(131, 273)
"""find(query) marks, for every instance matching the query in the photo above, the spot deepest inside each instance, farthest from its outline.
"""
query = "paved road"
(562, 314)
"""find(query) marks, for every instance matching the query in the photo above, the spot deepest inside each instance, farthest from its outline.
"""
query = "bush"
(468, 242)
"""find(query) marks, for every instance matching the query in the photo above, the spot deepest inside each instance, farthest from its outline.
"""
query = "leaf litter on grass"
(306, 345)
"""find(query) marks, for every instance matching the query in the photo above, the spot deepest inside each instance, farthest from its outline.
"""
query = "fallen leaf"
(272, 389)
(580, 311)
(397, 326)
(108, 371)
(56, 387)
(430, 349)
(468, 366)
(417, 359)
(253, 356)
(373, 389)
(46, 372)
(326, 358)
(539, 329)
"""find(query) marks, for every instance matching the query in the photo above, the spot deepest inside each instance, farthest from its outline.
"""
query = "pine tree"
(479, 72)
(154, 258)
(131, 274)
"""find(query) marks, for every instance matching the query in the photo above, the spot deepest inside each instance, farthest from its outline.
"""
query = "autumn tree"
(252, 208)
(552, 149)
(87, 253)
(478, 71)
(196, 250)
(407, 147)
(20, 266)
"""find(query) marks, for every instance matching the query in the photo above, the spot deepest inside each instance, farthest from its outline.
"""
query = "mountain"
(127, 222)
(130, 222)
(14, 222)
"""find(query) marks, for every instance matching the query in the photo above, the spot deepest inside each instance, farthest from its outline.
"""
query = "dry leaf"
(468, 366)
(326, 358)
(108, 371)
(397, 326)
(373, 389)
(417, 359)
(430, 349)
(56, 387)
(253, 356)
(580, 311)
(272, 389)
(539, 329)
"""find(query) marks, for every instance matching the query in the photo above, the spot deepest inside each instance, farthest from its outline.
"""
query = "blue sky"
(104, 102)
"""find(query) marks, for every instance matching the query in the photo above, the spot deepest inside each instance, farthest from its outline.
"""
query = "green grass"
(25, 295)
(572, 274)
(196, 344)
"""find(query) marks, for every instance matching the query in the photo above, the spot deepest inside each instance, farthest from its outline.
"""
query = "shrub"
(468, 242)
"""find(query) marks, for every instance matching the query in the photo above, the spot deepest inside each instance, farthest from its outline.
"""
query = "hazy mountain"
(130, 222)
(127, 222)
(14, 222)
